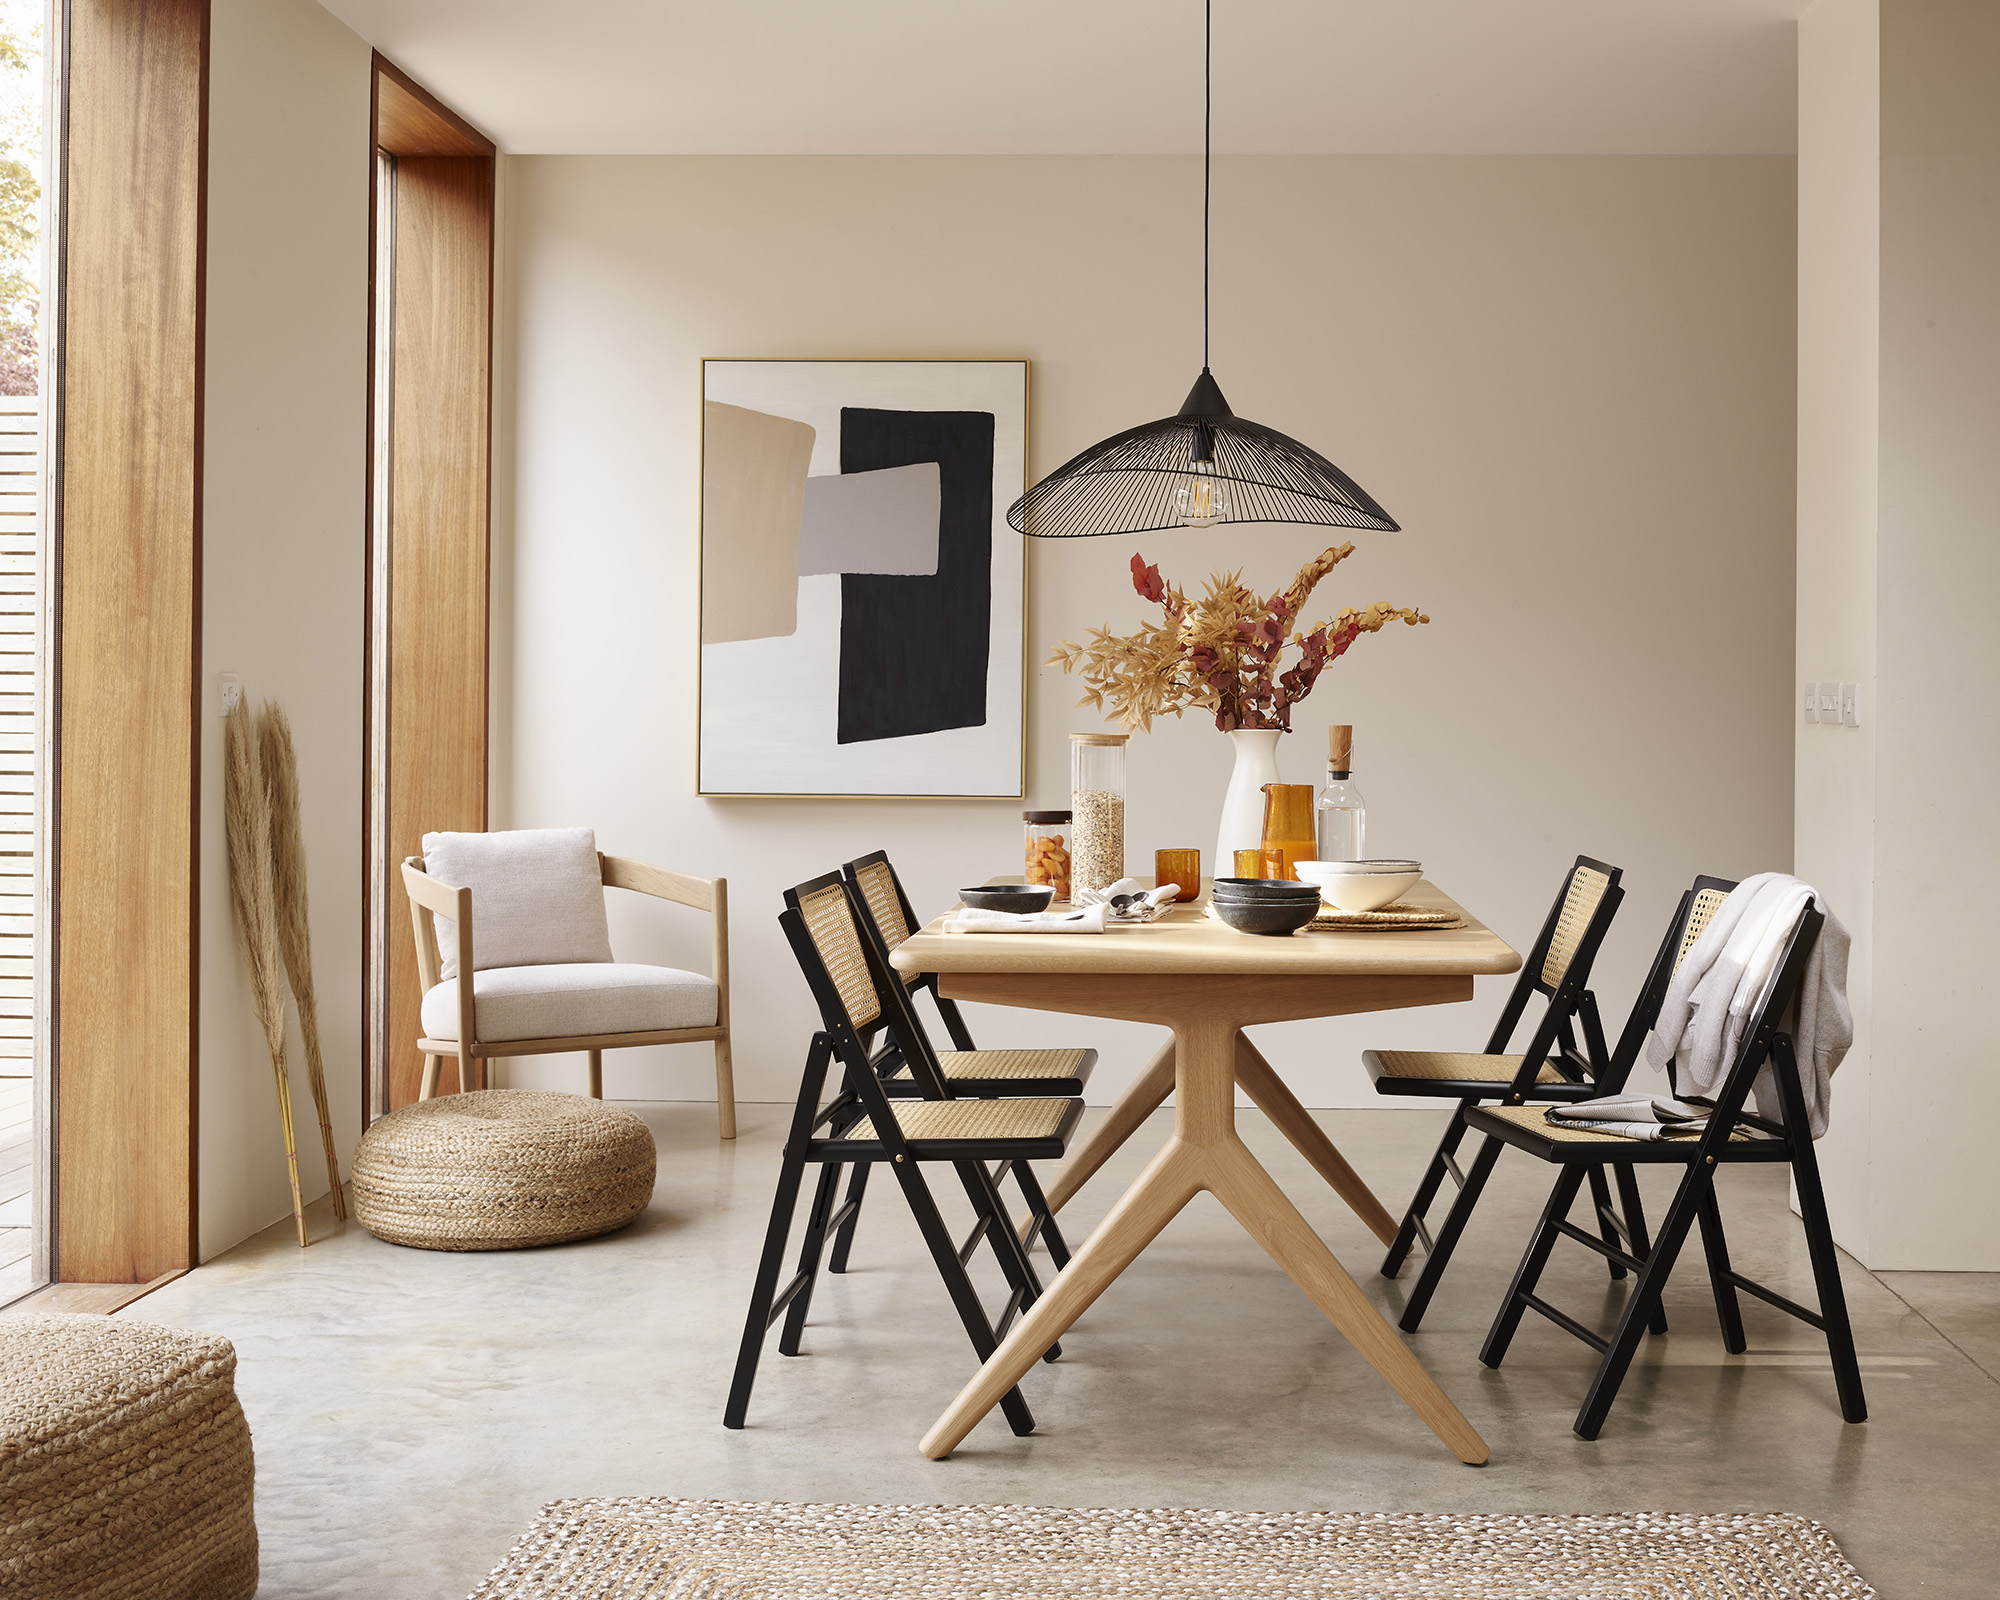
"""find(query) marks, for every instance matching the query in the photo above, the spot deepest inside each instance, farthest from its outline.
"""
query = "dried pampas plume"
(288, 876)
(246, 818)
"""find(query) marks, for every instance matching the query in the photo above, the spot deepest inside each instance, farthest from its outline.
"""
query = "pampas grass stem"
(288, 876)
(247, 825)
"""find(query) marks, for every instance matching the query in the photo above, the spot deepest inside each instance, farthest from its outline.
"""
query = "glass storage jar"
(1048, 849)
(1097, 807)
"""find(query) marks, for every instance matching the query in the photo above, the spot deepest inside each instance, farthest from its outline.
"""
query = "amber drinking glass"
(1288, 828)
(1250, 863)
(1182, 867)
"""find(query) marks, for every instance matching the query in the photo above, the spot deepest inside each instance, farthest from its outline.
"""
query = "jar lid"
(1050, 817)
(1099, 738)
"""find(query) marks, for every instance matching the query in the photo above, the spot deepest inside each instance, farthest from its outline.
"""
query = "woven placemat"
(659, 1549)
(1388, 919)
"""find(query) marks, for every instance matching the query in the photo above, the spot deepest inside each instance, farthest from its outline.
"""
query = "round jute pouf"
(125, 1468)
(502, 1169)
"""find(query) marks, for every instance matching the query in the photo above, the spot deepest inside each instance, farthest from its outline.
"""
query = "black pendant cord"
(1207, 154)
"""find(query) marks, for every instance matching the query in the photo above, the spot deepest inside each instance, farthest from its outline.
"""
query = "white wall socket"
(229, 692)
(1850, 704)
(1812, 701)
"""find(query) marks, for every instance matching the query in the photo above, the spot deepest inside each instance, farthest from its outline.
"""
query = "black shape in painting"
(913, 648)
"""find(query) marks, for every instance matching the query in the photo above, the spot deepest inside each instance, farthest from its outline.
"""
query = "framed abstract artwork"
(861, 592)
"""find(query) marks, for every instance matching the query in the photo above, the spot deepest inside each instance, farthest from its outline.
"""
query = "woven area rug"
(724, 1550)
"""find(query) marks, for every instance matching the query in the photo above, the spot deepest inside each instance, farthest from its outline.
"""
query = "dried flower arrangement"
(1222, 652)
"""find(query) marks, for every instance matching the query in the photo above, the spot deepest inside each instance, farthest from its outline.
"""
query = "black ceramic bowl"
(1009, 897)
(1269, 917)
(1264, 890)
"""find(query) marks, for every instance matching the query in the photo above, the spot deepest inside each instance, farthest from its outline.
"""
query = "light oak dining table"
(1207, 982)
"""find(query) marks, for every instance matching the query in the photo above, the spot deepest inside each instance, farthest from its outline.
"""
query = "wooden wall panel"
(130, 494)
(438, 546)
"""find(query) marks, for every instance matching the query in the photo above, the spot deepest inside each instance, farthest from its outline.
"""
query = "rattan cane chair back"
(1707, 901)
(876, 880)
(1589, 882)
(829, 922)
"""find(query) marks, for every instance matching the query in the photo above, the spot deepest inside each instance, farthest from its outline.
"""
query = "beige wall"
(1839, 420)
(286, 448)
(1572, 380)
(1937, 852)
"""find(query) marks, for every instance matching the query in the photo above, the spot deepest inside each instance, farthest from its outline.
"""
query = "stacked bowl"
(1265, 905)
(1361, 885)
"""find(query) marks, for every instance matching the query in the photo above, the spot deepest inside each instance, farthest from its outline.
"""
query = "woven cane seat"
(960, 1065)
(1460, 1066)
(502, 1169)
(125, 1464)
(972, 1119)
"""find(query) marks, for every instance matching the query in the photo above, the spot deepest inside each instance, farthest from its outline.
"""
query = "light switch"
(1829, 702)
(1850, 704)
(1812, 701)
(229, 693)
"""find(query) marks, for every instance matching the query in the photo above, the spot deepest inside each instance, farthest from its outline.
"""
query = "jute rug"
(659, 1549)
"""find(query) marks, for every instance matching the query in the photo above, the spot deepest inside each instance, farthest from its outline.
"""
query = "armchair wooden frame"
(700, 894)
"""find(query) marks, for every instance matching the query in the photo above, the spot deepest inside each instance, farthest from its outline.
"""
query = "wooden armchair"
(590, 1006)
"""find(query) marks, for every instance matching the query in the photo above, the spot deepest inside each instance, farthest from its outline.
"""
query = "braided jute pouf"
(502, 1169)
(125, 1467)
(724, 1550)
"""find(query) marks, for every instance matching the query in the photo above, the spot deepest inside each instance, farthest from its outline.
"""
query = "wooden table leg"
(1263, 1085)
(1255, 1200)
(1169, 1182)
(1134, 1106)
(1205, 1153)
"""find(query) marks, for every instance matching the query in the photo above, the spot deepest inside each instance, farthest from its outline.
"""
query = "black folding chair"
(883, 910)
(857, 999)
(1551, 1068)
(1730, 1135)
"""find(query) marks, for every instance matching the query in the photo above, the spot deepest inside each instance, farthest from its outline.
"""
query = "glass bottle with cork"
(1343, 817)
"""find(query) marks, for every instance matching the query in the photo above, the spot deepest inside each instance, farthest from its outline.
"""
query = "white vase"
(1243, 805)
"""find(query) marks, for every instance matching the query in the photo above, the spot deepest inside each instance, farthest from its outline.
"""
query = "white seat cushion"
(570, 1000)
(537, 896)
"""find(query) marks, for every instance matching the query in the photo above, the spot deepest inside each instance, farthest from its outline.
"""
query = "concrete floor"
(412, 1410)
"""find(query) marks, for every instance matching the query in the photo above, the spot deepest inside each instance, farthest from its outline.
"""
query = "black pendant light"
(1202, 466)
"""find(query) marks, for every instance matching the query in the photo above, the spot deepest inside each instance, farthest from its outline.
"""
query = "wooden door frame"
(124, 571)
(406, 121)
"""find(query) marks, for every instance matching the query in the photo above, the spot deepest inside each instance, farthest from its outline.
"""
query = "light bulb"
(1203, 502)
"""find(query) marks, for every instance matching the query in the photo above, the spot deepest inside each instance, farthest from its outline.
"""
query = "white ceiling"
(954, 77)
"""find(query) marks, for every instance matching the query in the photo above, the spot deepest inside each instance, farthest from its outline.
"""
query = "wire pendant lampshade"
(1202, 466)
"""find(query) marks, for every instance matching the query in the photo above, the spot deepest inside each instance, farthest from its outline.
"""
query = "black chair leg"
(843, 1239)
(971, 1314)
(1005, 1244)
(1819, 1242)
(1639, 1306)
(1529, 1272)
(1038, 1205)
(811, 1248)
(1434, 1174)
(757, 1322)
(1600, 1205)
(1728, 1309)
(1635, 1225)
(1447, 1236)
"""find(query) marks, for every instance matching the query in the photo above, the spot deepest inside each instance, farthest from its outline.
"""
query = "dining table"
(1205, 981)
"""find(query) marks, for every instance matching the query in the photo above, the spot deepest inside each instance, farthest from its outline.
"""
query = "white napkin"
(1088, 920)
(1636, 1116)
(1152, 897)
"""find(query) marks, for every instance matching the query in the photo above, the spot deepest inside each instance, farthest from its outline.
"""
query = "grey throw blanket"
(1720, 988)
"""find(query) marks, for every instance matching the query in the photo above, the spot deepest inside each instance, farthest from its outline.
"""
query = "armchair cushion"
(537, 896)
(573, 1000)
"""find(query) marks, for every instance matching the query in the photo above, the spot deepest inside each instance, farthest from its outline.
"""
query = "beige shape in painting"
(753, 486)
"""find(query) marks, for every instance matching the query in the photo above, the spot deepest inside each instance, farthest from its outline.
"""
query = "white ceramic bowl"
(1348, 890)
